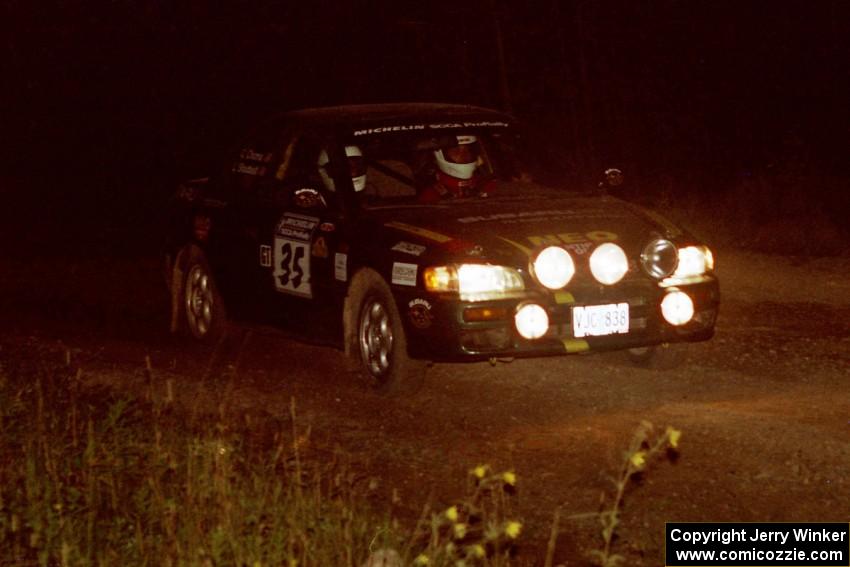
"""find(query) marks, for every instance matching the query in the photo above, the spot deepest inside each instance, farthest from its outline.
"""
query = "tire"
(197, 309)
(375, 337)
(665, 356)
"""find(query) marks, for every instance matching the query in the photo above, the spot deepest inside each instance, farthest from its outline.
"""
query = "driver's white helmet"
(460, 160)
(356, 165)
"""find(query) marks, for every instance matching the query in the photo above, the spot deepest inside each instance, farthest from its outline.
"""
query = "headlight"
(694, 261)
(473, 281)
(608, 263)
(660, 258)
(554, 267)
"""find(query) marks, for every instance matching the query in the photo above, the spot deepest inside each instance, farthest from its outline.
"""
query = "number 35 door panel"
(292, 253)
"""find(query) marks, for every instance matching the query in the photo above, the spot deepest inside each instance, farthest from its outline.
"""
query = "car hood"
(507, 230)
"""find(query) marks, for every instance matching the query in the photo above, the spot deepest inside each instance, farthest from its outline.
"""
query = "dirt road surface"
(764, 407)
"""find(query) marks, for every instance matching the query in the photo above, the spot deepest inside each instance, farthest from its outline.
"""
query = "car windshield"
(422, 169)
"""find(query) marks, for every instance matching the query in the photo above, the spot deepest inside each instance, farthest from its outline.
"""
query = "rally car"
(411, 233)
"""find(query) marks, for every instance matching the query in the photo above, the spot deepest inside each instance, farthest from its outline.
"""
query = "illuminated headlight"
(554, 267)
(694, 261)
(659, 258)
(473, 281)
(531, 321)
(608, 263)
(677, 308)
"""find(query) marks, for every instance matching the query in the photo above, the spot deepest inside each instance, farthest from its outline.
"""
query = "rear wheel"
(376, 338)
(197, 307)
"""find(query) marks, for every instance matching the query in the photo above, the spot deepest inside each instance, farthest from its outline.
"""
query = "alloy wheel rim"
(376, 338)
(199, 301)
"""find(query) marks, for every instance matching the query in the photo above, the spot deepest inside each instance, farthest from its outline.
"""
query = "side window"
(299, 175)
(254, 161)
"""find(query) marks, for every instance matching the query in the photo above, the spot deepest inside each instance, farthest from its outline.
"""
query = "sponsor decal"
(250, 154)
(476, 250)
(573, 238)
(409, 248)
(579, 248)
(341, 267)
(291, 254)
(419, 231)
(296, 227)
(265, 255)
(433, 126)
(249, 169)
(307, 198)
(252, 162)
(327, 227)
(419, 311)
(404, 274)
(320, 248)
(548, 214)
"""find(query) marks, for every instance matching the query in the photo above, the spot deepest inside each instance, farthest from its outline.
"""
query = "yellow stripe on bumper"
(562, 297)
(575, 345)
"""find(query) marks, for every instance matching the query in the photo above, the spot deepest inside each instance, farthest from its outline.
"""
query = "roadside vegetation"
(91, 476)
(783, 210)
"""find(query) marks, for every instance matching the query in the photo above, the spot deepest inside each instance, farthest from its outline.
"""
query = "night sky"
(691, 96)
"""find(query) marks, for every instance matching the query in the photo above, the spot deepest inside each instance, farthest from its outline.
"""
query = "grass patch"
(91, 476)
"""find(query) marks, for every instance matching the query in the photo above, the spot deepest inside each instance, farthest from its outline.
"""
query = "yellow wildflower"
(512, 529)
(638, 460)
(421, 560)
(476, 550)
(673, 435)
(459, 530)
(451, 513)
(480, 471)
(509, 478)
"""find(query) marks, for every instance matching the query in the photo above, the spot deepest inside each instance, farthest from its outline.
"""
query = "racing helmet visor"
(466, 150)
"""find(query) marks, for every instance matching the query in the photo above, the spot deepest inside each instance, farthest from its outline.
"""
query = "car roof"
(364, 117)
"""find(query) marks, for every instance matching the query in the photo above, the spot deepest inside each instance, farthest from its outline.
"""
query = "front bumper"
(452, 336)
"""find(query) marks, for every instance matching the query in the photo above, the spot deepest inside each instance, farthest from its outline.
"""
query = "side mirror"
(613, 177)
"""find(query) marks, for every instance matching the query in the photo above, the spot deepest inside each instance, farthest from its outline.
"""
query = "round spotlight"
(660, 258)
(608, 263)
(531, 321)
(554, 267)
(677, 308)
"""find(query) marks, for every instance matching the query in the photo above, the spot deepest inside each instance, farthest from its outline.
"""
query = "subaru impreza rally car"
(315, 222)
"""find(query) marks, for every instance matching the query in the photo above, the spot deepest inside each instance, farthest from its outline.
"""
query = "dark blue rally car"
(409, 233)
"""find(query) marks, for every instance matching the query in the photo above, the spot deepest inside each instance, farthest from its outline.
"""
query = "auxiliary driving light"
(554, 267)
(660, 258)
(677, 308)
(608, 263)
(531, 321)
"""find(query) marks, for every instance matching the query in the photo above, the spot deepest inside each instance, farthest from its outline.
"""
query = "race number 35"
(292, 267)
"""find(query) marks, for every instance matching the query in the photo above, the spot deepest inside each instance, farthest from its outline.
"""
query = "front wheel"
(374, 326)
(197, 307)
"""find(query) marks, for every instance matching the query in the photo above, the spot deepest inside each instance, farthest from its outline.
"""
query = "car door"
(300, 250)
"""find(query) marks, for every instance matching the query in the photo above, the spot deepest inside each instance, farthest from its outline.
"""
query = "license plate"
(600, 320)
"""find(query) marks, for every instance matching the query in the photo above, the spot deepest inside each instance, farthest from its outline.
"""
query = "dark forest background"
(739, 108)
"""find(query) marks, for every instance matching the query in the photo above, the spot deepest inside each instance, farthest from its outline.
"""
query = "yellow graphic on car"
(419, 231)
